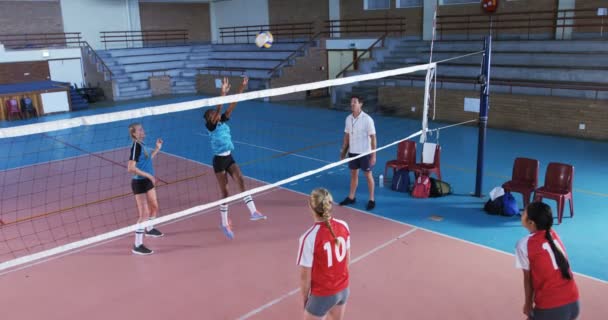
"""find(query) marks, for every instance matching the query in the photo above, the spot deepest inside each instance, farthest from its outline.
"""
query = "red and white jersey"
(533, 253)
(328, 260)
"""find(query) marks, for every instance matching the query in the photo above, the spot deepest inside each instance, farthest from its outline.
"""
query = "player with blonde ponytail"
(324, 258)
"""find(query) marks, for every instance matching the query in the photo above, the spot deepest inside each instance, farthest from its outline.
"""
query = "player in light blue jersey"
(223, 162)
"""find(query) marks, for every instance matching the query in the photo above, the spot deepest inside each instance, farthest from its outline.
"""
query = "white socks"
(139, 237)
(150, 227)
(224, 213)
(249, 202)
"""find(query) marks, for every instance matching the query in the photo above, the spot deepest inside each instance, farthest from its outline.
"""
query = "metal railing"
(512, 83)
(369, 49)
(299, 50)
(145, 38)
(40, 40)
(227, 71)
(104, 66)
(280, 32)
(548, 24)
(366, 26)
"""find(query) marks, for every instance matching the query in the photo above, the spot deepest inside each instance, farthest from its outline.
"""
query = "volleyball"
(264, 39)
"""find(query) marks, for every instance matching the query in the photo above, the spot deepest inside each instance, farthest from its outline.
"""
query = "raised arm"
(159, 144)
(241, 89)
(225, 89)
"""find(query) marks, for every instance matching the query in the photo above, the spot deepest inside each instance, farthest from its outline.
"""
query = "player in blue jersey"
(143, 184)
(223, 162)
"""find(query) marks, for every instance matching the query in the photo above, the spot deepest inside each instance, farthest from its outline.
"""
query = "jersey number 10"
(339, 248)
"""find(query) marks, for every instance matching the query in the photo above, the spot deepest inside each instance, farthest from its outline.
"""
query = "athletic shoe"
(348, 201)
(257, 216)
(227, 231)
(155, 233)
(371, 204)
(141, 250)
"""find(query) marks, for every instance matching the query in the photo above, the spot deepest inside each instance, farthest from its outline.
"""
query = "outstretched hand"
(159, 143)
(244, 84)
(225, 86)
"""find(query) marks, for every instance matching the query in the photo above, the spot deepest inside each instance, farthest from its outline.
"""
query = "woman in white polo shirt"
(359, 137)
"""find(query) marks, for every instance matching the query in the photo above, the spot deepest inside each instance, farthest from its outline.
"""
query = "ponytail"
(326, 218)
(542, 216)
(562, 262)
(321, 203)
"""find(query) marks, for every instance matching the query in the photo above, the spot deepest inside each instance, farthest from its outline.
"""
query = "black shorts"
(141, 185)
(222, 163)
(360, 163)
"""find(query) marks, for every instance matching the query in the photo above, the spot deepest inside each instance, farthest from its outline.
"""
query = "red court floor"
(398, 272)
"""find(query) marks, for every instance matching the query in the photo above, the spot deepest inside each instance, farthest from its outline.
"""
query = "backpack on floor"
(494, 207)
(422, 187)
(509, 205)
(401, 181)
(439, 188)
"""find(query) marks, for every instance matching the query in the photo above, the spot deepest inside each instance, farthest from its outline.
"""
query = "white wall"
(92, 16)
(67, 71)
(231, 13)
(567, 31)
(64, 64)
(37, 54)
(341, 44)
(334, 14)
(55, 102)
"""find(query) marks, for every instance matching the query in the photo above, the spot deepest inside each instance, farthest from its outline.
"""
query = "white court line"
(64, 159)
(294, 291)
(272, 149)
(55, 257)
(295, 191)
(414, 226)
(455, 238)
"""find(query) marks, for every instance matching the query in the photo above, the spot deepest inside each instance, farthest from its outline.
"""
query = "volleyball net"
(64, 184)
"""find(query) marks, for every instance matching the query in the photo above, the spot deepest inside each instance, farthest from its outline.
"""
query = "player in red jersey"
(324, 258)
(551, 292)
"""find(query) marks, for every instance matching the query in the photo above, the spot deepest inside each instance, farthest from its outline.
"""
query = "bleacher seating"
(133, 67)
(556, 68)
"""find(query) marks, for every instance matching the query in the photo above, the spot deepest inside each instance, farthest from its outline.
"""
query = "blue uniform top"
(142, 155)
(221, 140)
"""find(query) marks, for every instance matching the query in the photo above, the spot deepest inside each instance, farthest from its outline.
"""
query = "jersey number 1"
(339, 248)
(547, 248)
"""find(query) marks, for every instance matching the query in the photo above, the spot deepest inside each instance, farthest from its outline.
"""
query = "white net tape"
(183, 106)
(195, 104)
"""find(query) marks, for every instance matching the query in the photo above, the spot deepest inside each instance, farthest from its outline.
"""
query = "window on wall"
(376, 4)
(409, 3)
(444, 2)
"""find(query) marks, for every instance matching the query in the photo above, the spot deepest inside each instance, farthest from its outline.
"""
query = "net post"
(483, 113)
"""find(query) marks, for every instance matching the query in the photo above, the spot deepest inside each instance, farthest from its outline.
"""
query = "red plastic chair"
(12, 108)
(430, 168)
(524, 179)
(558, 186)
(406, 157)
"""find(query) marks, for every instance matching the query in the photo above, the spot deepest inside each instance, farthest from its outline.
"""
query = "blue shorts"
(360, 163)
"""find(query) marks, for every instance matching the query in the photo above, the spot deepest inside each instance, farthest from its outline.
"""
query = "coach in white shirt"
(359, 137)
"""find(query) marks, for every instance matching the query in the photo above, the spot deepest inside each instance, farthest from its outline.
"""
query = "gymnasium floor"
(406, 264)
